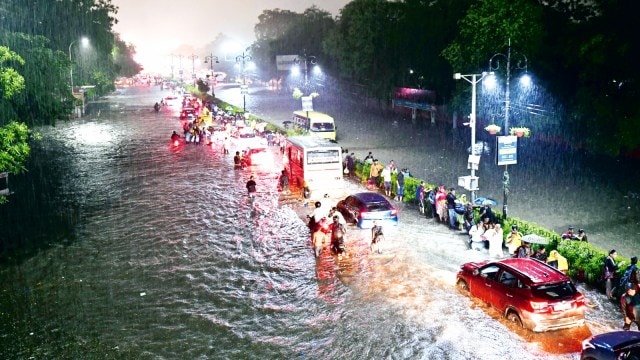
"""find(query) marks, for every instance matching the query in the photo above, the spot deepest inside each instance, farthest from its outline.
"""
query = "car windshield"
(377, 206)
(247, 135)
(558, 291)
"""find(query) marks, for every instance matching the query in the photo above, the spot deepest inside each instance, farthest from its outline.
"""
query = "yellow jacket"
(563, 265)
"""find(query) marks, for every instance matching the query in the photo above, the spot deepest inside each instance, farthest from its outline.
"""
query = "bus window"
(323, 157)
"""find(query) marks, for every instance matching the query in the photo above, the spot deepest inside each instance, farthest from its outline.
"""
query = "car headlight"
(586, 344)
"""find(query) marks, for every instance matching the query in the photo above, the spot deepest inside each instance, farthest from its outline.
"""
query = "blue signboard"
(507, 153)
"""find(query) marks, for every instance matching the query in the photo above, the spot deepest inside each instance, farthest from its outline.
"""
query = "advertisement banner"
(286, 62)
(507, 153)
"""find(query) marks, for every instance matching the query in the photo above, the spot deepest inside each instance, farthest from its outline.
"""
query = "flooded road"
(549, 186)
(126, 247)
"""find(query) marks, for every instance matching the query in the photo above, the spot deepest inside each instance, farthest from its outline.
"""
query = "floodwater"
(550, 185)
(122, 246)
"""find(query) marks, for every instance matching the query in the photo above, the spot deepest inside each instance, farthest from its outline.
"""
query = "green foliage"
(490, 26)
(11, 82)
(14, 147)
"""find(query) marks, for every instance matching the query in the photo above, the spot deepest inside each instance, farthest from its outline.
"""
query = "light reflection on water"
(171, 261)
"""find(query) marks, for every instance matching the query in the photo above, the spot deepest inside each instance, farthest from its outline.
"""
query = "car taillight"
(394, 212)
(580, 301)
(539, 306)
(176, 143)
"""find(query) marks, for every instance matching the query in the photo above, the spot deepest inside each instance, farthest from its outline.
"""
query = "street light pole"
(242, 60)
(193, 58)
(507, 104)
(473, 79)
(85, 42)
(308, 59)
(211, 59)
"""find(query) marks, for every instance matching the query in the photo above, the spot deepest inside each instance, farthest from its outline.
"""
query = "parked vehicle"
(365, 207)
(616, 345)
(527, 292)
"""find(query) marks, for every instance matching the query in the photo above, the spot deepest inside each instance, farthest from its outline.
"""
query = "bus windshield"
(322, 126)
(323, 157)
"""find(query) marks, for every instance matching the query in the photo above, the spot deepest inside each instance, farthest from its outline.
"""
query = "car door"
(487, 282)
(505, 290)
(353, 208)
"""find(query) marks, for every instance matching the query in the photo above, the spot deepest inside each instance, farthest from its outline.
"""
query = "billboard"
(286, 62)
(414, 98)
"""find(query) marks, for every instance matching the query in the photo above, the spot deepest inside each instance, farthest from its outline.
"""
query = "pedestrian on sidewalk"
(420, 197)
(400, 186)
(629, 303)
(495, 241)
(386, 178)
(610, 269)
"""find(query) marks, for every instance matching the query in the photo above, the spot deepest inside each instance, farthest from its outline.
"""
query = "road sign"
(244, 89)
(307, 103)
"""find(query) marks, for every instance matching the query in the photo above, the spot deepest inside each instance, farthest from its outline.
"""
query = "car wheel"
(462, 285)
(514, 318)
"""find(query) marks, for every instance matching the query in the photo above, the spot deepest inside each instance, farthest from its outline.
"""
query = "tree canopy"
(579, 53)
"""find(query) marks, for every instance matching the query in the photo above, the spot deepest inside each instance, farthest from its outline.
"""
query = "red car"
(188, 114)
(527, 292)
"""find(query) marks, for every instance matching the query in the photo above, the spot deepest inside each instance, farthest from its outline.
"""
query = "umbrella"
(485, 201)
(535, 239)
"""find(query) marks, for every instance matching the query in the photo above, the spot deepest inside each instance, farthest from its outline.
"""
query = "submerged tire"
(462, 286)
(514, 318)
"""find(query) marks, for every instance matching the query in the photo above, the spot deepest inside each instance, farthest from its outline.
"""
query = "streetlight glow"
(85, 42)
(242, 60)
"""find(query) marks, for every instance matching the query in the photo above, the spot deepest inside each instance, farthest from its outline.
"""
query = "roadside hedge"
(586, 261)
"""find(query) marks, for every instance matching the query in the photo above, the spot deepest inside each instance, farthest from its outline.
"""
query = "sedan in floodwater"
(365, 207)
(616, 345)
(527, 292)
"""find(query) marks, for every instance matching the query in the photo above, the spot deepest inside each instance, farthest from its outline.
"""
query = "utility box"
(469, 183)
(473, 163)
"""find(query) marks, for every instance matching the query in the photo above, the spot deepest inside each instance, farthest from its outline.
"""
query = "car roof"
(617, 339)
(536, 271)
(368, 197)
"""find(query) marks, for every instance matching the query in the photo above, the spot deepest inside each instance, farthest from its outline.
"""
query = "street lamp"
(210, 59)
(520, 64)
(242, 60)
(420, 78)
(473, 79)
(179, 56)
(308, 59)
(85, 43)
(193, 65)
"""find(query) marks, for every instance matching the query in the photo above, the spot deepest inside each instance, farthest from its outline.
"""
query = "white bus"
(316, 123)
(314, 163)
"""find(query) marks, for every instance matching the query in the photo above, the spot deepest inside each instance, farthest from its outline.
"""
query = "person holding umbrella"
(524, 250)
